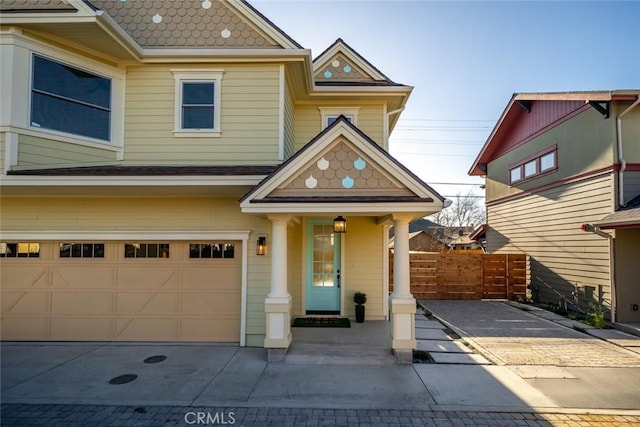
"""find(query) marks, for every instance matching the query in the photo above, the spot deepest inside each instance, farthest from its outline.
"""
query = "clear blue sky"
(466, 59)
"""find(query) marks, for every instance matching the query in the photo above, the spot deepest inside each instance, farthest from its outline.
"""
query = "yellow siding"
(630, 131)
(308, 122)
(34, 151)
(365, 252)
(585, 143)
(546, 226)
(249, 118)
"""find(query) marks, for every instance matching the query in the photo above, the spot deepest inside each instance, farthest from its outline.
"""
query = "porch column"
(402, 303)
(277, 305)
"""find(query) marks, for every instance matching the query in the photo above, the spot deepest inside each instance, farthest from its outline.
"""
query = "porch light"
(261, 248)
(339, 225)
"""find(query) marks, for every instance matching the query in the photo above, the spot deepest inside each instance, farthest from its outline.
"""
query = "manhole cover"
(123, 379)
(155, 359)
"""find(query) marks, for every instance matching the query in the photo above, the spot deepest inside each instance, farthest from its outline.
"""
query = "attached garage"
(121, 291)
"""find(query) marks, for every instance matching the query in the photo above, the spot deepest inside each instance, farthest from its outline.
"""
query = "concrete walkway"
(570, 367)
(61, 384)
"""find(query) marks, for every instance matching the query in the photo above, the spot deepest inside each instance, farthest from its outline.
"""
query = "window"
(331, 114)
(197, 106)
(146, 250)
(67, 99)
(212, 250)
(539, 164)
(19, 250)
(81, 250)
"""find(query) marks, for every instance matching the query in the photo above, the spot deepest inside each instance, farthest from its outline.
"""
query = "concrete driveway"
(572, 368)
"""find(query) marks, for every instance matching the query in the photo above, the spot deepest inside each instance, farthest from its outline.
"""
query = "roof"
(121, 170)
(519, 101)
(627, 217)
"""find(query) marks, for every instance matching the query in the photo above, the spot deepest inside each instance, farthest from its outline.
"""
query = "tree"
(465, 211)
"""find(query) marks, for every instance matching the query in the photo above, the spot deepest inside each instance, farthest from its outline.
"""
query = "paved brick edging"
(88, 415)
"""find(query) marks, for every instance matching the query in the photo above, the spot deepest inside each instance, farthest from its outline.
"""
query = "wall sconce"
(339, 225)
(261, 248)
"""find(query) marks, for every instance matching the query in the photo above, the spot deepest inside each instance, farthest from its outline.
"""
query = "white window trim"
(200, 75)
(327, 112)
(116, 133)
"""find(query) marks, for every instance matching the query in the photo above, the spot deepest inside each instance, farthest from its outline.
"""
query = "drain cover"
(123, 379)
(155, 359)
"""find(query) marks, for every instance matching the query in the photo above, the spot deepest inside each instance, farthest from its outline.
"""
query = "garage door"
(121, 291)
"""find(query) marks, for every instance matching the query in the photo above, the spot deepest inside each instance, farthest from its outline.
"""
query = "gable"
(342, 168)
(191, 23)
(340, 63)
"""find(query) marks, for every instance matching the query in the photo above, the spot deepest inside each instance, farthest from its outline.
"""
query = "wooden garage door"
(188, 291)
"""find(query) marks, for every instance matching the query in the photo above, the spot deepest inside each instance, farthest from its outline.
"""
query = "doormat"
(321, 322)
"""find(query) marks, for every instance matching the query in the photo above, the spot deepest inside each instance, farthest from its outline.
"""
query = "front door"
(323, 267)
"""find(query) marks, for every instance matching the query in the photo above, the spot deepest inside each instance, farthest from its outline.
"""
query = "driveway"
(572, 368)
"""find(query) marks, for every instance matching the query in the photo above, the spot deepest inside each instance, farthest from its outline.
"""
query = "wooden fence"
(466, 275)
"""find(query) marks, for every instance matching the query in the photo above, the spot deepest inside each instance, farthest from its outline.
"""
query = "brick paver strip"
(125, 416)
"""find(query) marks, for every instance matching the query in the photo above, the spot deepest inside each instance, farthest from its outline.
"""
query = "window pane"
(141, 251)
(197, 93)
(164, 250)
(530, 168)
(98, 250)
(152, 250)
(129, 250)
(516, 174)
(229, 250)
(66, 116)
(548, 161)
(58, 79)
(194, 250)
(87, 250)
(197, 117)
(65, 250)
(216, 251)
(34, 250)
(76, 250)
(205, 250)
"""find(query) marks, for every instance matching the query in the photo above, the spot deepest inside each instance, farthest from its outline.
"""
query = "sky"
(466, 59)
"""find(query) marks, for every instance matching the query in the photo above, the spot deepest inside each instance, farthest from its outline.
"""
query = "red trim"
(569, 180)
(619, 227)
(631, 167)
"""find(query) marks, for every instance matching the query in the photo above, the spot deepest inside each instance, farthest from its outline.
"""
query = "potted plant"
(360, 298)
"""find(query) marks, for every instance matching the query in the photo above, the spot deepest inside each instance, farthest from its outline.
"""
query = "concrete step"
(369, 357)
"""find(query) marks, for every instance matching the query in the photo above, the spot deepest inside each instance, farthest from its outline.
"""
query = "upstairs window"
(534, 166)
(71, 100)
(197, 106)
(331, 114)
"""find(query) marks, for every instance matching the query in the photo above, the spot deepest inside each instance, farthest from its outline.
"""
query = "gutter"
(623, 163)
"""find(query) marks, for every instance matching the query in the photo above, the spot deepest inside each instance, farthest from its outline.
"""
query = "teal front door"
(323, 267)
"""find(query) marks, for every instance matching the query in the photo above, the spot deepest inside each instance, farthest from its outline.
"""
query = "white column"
(401, 278)
(403, 305)
(277, 305)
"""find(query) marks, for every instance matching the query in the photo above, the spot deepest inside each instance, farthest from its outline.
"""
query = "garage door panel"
(25, 302)
(85, 276)
(24, 328)
(220, 329)
(220, 304)
(148, 302)
(222, 277)
(147, 276)
(18, 277)
(147, 329)
(80, 328)
(81, 302)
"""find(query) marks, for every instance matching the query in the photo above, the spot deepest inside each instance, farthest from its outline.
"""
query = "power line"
(445, 120)
(413, 141)
(432, 154)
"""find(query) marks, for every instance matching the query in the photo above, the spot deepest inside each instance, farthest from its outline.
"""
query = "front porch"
(365, 343)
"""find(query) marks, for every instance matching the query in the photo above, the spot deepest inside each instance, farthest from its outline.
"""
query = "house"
(421, 241)
(186, 171)
(562, 172)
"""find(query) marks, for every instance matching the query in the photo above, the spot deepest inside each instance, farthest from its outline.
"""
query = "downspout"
(623, 163)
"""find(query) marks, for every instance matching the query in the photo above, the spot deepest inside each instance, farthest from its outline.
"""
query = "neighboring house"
(555, 163)
(421, 241)
(171, 171)
(479, 235)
